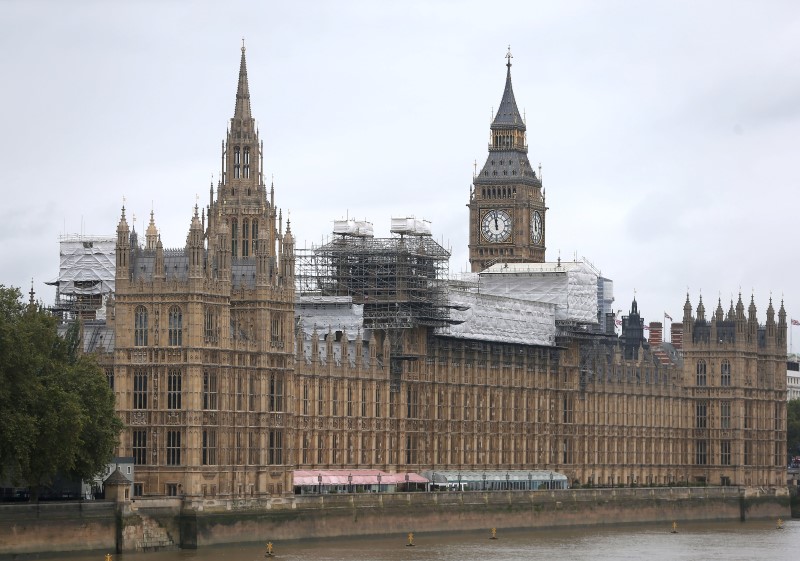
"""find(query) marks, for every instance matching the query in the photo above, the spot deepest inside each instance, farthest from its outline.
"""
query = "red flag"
(795, 322)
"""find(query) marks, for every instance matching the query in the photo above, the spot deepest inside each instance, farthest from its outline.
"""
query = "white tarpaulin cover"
(570, 286)
(334, 313)
(87, 265)
(498, 318)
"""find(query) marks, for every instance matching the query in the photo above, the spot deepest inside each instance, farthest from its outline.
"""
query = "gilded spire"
(242, 110)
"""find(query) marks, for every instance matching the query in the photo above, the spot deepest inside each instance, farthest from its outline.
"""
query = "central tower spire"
(242, 109)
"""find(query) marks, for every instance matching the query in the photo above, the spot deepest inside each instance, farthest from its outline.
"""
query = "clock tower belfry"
(506, 205)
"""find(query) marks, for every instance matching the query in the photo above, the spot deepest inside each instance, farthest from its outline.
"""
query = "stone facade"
(226, 387)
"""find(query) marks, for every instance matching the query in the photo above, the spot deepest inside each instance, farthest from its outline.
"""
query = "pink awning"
(304, 477)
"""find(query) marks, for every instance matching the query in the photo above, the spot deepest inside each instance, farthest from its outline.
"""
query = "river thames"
(754, 540)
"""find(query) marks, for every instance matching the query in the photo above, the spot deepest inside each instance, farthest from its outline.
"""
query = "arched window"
(276, 393)
(140, 326)
(245, 237)
(175, 326)
(255, 236)
(725, 373)
(236, 156)
(247, 161)
(140, 389)
(234, 238)
(701, 372)
(174, 389)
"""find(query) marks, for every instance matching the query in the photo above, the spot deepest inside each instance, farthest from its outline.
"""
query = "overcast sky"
(668, 132)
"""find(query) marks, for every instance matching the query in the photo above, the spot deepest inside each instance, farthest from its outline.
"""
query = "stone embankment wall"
(152, 524)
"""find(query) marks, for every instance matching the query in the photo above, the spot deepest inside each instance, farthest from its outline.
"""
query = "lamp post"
(508, 485)
(551, 480)
(407, 482)
(319, 484)
(379, 483)
(349, 482)
(484, 480)
(530, 486)
(433, 481)
(459, 481)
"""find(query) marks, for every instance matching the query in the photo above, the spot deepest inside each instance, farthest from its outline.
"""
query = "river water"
(759, 540)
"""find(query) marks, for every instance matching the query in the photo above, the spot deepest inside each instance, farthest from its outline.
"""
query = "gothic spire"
(242, 110)
(508, 113)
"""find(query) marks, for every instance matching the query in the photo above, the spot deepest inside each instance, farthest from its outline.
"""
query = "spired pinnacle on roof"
(507, 113)
(242, 109)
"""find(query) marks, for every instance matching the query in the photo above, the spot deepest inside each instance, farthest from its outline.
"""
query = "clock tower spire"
(507, 206)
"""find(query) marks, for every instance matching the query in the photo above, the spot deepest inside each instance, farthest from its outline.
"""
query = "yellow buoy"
(494, 534)
(780, 524)
(108, 557)
(674, 528)
(269, 552)
(410, 539)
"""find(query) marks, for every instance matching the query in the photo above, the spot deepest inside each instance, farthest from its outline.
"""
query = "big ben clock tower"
(506, 206)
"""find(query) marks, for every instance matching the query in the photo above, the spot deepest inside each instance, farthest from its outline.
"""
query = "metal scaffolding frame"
(400, 280)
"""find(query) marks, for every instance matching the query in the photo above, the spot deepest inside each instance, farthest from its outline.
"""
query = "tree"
(57, 412)
(793, 427)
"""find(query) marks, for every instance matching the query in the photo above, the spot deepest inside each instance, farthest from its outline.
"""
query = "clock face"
(496, 226)
(536, 227)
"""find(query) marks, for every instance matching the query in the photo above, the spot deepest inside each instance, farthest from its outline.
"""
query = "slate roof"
(507, 166)
(508, 113)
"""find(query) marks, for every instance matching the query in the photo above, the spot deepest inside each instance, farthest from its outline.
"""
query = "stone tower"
(506, 206)
(204, 337)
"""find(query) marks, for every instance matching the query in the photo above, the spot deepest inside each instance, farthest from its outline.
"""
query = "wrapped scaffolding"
(85, 276)
(570, 286)
(397, 280)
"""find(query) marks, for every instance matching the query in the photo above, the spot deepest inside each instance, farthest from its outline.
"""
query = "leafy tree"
(793, 427)
(56, 410)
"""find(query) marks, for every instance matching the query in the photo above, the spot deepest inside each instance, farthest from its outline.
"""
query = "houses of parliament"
(238, 360)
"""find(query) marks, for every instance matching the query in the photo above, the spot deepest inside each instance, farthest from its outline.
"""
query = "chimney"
(676, 334)
(656, 333)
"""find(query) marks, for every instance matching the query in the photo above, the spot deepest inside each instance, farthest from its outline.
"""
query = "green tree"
(793, 428)
(56, 410)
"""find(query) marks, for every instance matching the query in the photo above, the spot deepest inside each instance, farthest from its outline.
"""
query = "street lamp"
(459, 481)
(508, 485)
(379, 483)
(319, 484)
(551, 480)
(350, 482)
(406, 482)
(484, 480)
(530, 476)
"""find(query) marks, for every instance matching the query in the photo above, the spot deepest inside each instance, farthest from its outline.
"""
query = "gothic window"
(334, 398)
(247, 161)
(239, 392)
(252, 394)
(275, 449)
(701, 372)
(377, 401)
(234, 238)
(175, 326)
(725, 415)
(701, 452)
(305, 398)
(210, 326)
(254, 236)
(275, 332)
(140, 389)
(236, 162)
(173, 448)
(349, 400)
(110, 378)
(701, 415)
(139, 447)
(209, 447)
(140, 326)
(275, 392)
(725, 452)
(412, 399)
(725, 373)
(209, 390)
(252, 448)
(174, 387)
(320, 449)
(245, 237)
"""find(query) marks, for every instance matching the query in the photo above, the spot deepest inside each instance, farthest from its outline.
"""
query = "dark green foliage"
(56, 409)
(793, 427)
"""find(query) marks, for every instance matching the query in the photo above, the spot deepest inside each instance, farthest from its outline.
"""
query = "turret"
(194, 247)
(287, 257)
(770, 325)
(123, 249)
(159, 271)
(752, 320)
(151, 235)
(781, 335)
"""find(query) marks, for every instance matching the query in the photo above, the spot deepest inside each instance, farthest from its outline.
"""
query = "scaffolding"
(87, 268)
(399, 281)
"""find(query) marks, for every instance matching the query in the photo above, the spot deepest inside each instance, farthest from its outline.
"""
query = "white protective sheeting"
(329, 313)
(499, 318)
(571, 287)
(413, 226)
(87, 265)
(352, 227)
